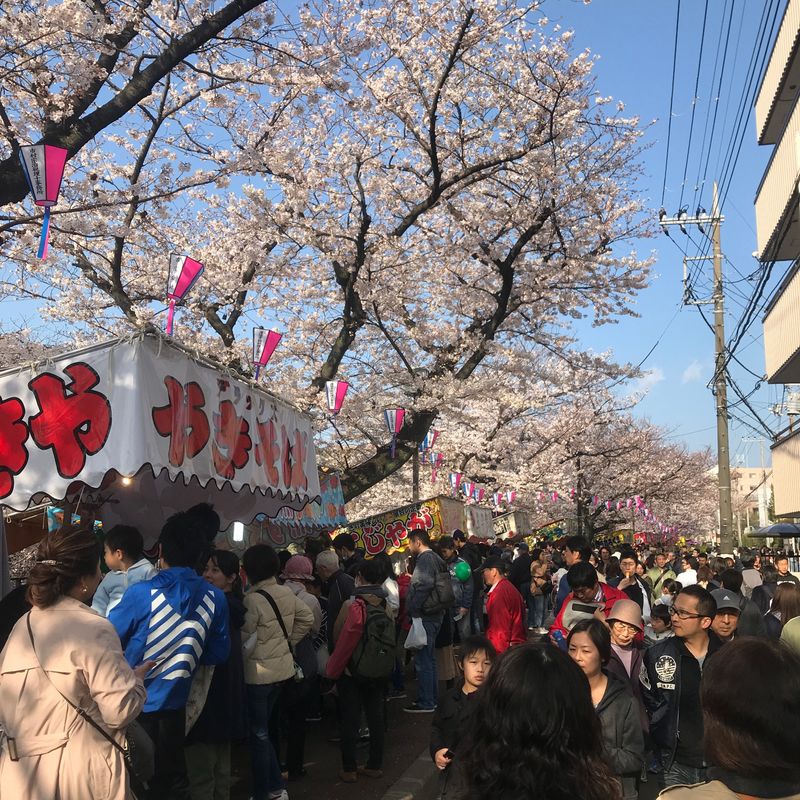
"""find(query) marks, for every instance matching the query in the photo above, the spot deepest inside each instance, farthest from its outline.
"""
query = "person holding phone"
(455, 708)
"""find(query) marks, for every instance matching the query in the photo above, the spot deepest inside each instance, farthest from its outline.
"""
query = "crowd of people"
(546, 669)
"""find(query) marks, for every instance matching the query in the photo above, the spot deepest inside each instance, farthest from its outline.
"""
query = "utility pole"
(723, 450)
(701, 219)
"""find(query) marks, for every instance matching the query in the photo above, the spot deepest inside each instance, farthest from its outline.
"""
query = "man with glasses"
(670, 678)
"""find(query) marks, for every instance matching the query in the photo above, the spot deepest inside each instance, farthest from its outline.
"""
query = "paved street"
(407, 736)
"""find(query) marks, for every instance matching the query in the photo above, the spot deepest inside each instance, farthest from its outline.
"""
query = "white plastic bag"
(417, 638)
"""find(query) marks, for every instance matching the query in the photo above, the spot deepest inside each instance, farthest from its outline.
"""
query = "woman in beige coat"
(268, 659)
(47, 750)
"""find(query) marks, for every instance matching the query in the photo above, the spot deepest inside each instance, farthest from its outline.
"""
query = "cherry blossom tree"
(421, 196)
(70, 70)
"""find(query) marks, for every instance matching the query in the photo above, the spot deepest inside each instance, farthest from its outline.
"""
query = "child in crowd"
(456, 706)
(659, 627)
(124, 557)
(668, 591)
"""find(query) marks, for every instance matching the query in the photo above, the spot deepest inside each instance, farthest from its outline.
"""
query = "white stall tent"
(146, 428)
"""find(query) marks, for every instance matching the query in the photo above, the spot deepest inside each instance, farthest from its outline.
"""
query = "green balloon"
(463, 571)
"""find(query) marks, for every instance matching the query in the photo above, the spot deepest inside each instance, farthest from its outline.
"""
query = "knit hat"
(627, 611)
(298, 568)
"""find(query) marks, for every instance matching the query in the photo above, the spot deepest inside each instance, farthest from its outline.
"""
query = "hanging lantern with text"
(437, 459)
(335, 392)
(184, 272)
(429, 441)
(43, 165)
(455, 481)
(394, 422)
(264, 344)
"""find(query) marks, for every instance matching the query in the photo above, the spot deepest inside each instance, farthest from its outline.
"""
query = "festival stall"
(438, 516)
(293, 527)
(140, 428)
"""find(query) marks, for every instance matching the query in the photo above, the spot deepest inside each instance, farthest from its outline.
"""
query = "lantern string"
(44, 239)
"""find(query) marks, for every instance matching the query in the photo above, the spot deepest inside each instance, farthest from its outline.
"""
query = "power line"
(715, 98)
(671, 99)
(694, 103)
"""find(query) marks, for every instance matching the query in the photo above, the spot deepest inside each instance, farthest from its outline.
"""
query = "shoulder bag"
(305, 664)
(138, 752)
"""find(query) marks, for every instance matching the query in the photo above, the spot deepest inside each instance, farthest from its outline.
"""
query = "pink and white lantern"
(43, 165)
(264, 344)
(335, 392)
(184, 272)
(394, 422)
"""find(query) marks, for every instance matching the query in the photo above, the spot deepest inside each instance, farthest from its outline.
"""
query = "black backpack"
(442, 595)
(374, 656)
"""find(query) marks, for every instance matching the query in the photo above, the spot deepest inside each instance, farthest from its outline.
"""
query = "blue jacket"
(114, 584)
(178, 620)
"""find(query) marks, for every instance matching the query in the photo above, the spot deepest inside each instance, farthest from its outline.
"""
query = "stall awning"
(150, 429)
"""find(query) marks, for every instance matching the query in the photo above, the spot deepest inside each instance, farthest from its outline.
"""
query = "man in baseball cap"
(727, 619)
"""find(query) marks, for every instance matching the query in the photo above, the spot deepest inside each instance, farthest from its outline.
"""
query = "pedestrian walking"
(590, 647)
(430, 595)
(275, 621)
(180, 621)
(361, 663)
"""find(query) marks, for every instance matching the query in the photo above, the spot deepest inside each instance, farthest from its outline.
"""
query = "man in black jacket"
(670, 678)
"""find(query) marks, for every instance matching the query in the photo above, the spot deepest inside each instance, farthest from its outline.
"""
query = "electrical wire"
(671, 99)
(694, 102)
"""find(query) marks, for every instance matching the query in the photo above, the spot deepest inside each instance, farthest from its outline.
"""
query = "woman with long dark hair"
(785, 606)
(535, 733)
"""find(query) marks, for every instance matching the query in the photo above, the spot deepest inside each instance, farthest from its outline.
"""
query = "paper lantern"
(335, 392)
(572, 494)
(467, 487)
(619, 505)
(43, 165)
(498, 498)
(264, 344)
(462, 571)
(595, 500)
(608, 505)
(629, 502)
(511, 497)
(184, 272)
(455, 480)
(480, 494)
(394, 422)
(437, 459)
(429, 441)
(554, 497)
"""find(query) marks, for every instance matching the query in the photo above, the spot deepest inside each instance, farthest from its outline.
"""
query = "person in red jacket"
(504, 607)
(586, 588)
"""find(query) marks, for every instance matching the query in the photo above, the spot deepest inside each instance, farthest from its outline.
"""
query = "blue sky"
(634, 41)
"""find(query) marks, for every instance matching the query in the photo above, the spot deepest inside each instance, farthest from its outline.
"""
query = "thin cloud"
(693, 373)
(650, 379)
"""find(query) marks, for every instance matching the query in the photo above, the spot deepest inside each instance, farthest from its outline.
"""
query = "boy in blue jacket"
(177, 620)
(124, 556)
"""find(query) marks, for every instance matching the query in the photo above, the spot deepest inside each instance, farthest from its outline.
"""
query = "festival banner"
(172, 425)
